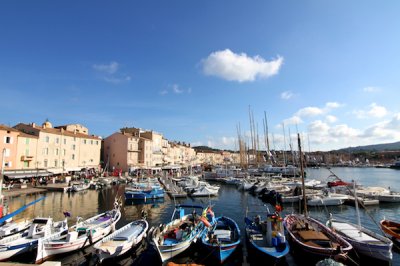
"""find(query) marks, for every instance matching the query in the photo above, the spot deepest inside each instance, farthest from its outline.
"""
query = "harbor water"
(230, 202)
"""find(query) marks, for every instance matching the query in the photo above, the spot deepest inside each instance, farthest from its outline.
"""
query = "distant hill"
(206, 148)
(395, 146)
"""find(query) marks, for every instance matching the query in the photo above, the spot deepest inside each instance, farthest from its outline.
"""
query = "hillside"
(395, 146)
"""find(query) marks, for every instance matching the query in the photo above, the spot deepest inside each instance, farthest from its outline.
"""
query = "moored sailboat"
(310, 236)
(364, 241)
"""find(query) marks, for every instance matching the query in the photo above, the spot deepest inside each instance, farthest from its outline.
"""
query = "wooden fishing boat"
(267, 238)
(83, 233)
(122, 240)
(314, 238)
(391, 228)
(176, 236)
(222, 238)
(310, 237)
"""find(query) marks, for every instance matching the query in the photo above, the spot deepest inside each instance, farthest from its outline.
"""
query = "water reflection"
(230, 202)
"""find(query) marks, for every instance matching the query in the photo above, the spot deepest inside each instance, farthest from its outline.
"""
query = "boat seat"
(312, 235)
(120, 238)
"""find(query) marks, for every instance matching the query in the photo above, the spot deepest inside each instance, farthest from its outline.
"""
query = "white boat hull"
(122, 240)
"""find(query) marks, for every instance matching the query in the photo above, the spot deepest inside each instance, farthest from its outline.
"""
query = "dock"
(46, 263)
(172, 189)
(62, 187)
(364, 201)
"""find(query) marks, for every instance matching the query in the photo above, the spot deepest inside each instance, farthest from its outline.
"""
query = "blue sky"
(192, 69)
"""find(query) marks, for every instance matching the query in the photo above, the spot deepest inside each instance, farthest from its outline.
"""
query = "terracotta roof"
(64, 132)
(6, 128)
(22, 134)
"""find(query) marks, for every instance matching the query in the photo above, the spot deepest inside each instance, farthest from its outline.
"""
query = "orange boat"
(391, 228)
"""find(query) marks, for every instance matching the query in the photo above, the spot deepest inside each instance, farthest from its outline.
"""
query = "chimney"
(33, 124)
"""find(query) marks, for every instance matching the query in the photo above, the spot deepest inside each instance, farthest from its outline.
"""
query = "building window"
(8, 140)
(91, 142)
(57, 140)
(97, 142)
(73, 147)
(26, 141)
(65, 141)
(7, 164)
(26, 152)
(55, 163)
(65, 151)
(73, 157)
(45, 163)
(84, 141)
(26, 164)
(56, 151)
(7, 153)
(47, 139)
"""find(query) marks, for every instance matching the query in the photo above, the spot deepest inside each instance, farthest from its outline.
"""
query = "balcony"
(26, 158)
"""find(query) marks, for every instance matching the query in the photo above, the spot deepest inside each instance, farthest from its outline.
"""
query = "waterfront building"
(8, 147)
(62, 149)
(26, 151)
(121, 151)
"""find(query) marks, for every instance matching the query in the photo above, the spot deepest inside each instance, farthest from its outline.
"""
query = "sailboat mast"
(357, 209)
(266, 135)
(302, 176)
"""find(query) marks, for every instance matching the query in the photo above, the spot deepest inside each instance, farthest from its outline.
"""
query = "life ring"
(205, 222)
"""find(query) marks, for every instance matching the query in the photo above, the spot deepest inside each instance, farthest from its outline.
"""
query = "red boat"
(339, 183)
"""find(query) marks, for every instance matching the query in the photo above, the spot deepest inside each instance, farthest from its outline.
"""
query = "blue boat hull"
(273, 254)
(224, 249)
(143, 195)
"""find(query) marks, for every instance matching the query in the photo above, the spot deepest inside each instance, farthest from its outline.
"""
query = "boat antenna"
(302, 176)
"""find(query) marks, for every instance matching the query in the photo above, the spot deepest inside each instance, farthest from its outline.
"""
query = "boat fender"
(205, 222)
(340, 257)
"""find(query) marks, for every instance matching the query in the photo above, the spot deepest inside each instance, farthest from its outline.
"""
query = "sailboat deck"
(353, 232)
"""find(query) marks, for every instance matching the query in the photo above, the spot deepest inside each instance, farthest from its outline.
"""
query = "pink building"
(8, 147)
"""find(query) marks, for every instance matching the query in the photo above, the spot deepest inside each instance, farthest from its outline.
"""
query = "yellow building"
(61, 150)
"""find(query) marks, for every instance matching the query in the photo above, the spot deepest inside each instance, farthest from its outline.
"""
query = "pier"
(171, 188)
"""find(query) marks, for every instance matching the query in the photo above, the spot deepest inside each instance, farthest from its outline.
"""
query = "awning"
(73, 169)
(57, 171)
(26, 174)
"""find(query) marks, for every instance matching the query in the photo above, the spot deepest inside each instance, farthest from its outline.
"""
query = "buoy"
(205, 222)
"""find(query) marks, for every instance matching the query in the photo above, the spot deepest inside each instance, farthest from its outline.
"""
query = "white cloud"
(377, 111)
(371, 89)
(294, 120)
(344, 131)
(318, 127)
(116, 80)
(109, 73)
(110, 68)
(374, 110)
(176, 89)
(332, 105)
(286, 95)
(331, 119)
(240, 67)
(309, 111)
(388, 131)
